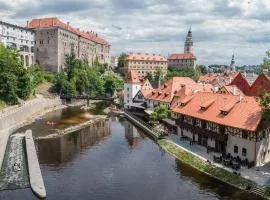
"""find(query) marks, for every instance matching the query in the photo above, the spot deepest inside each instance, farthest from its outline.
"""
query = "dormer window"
(223, 112)
(159, 93)
(203, 108)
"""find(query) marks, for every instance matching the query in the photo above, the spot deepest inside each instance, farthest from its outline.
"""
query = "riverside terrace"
(226, 124)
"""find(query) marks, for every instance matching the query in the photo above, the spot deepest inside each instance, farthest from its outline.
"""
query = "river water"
(114, 160)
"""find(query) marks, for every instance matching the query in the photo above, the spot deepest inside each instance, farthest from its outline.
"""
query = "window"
(235, 149)
(244, 152)
(127, 89)
(244, 135)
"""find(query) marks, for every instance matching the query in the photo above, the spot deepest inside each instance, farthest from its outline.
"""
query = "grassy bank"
(201, 165)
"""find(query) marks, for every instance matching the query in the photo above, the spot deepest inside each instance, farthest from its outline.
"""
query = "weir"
(14, 174)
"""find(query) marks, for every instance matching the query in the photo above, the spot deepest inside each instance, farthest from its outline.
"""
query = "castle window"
(244, 152)
(235, 149)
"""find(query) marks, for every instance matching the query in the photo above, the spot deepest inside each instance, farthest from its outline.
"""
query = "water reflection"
(63, 148)
(210, 185)
(61, 119)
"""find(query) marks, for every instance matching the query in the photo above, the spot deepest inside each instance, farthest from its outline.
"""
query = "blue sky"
(220, 27)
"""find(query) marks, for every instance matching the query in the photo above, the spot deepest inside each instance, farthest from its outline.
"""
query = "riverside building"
(224, 123)
(144, 63)
(55, 39)
(20, 38)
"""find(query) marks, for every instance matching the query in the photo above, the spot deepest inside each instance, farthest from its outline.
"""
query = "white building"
(20, 38)
(131, 87)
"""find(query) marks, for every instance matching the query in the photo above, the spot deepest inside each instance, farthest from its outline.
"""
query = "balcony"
(204, 132)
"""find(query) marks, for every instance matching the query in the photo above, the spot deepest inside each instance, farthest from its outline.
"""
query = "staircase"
(259, 191)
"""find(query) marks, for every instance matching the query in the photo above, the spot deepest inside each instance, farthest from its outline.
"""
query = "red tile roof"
(132, 77)
(167, 91)
(181, 56)
(243, 114)
(145, 57)
(55, 22)
(209, 78)
(233, 90)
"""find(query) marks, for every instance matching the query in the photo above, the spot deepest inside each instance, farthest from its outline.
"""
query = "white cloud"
(220, 27)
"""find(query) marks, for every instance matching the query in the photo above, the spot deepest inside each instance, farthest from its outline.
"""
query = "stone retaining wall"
(19, 114)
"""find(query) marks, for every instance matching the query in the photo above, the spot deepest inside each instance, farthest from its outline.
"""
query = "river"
(113, 160)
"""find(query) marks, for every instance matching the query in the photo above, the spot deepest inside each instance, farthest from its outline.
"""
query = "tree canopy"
(160, 112)
(80, 78)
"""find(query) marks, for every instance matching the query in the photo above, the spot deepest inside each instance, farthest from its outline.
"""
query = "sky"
(219, 27)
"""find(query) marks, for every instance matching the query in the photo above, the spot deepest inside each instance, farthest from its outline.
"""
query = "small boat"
(50, 123)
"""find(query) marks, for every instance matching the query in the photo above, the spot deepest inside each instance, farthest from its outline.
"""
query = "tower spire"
(188, 42)
(232, 65)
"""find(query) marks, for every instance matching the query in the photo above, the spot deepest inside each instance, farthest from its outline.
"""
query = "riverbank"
(18, 116)
(58, 133)
(212, 170)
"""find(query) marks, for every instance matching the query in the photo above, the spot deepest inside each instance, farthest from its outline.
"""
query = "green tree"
(149, 76)
(264, 100)
(160, 112)
(121, 60)
(70, 64)
(265, 66)
(15, 81)
(203, 69)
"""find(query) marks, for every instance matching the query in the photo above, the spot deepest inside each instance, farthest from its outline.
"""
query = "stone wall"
(18, 114)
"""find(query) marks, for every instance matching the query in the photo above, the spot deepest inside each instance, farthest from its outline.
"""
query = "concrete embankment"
(17, 116)
(212, 170)
(35, 176)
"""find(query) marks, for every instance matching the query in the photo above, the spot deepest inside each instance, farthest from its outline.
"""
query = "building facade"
(55, 39)
(145, 63)
(19, 38)
(186, 59)
(131, 87)
(213, 120)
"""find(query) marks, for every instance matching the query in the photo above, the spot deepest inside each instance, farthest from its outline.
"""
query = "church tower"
(188, 42)
(232, 65)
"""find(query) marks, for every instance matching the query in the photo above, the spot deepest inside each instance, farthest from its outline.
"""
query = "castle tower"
(232, 65)
(131, 87)
(188, 42)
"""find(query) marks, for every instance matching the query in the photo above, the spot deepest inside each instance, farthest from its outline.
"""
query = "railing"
(151, 128)
(205, 132)
(87, 97)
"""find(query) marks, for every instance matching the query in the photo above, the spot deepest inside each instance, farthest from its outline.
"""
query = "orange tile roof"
(207, 78)
(243, 114)
(233, 89)
(132, 77)
(55, 22)
(145, 57)
(167, 91)
(181, 56)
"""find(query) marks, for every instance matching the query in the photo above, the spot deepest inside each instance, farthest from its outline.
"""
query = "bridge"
(87, 97)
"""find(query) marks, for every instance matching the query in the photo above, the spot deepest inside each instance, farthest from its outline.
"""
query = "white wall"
(130, 90)
(241, 143)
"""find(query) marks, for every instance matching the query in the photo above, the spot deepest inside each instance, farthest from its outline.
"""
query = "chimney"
(96, 35)
(68, 23)
(27, 24)
(240, 97)
(234, 91)
(245, 74)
